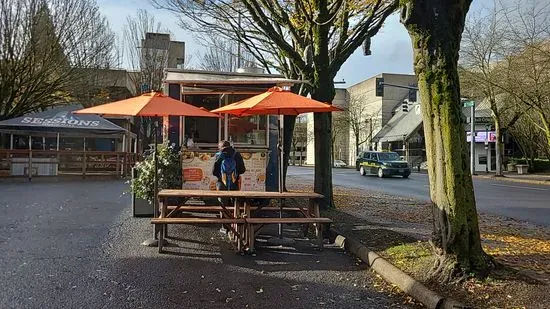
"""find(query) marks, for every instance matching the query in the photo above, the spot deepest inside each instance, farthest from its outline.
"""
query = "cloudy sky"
(391, 47)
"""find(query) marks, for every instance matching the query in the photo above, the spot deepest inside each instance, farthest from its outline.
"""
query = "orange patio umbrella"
(277, 101)
(153, 104)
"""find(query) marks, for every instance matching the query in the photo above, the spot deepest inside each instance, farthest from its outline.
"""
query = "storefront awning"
(61, 119)
(401, 126)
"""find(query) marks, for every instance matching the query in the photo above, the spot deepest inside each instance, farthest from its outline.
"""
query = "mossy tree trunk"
(435, 27)
(323, 90)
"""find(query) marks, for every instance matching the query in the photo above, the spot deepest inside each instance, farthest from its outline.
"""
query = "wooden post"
(30, 159)
(117, 163)
(123, 155)
(57, 149)
(84, 161)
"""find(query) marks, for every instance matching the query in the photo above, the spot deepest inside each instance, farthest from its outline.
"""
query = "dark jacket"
(228, 151)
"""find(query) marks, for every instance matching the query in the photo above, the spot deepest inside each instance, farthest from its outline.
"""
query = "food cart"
(255, 137)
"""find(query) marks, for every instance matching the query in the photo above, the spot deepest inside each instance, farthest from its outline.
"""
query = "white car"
(339, 163)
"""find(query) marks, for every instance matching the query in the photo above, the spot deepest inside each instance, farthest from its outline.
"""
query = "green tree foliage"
(44, 45)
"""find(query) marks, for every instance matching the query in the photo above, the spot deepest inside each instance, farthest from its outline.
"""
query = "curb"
(511, 179)
(393, 274)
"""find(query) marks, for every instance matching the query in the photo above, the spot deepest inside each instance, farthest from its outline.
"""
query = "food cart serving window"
(250, 135)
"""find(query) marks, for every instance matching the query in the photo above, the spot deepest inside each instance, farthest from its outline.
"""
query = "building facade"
(369, 105)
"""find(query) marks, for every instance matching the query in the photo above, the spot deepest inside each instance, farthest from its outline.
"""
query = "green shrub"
(542, 165)
(169, 173)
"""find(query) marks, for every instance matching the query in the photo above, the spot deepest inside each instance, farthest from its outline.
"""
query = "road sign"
(469, 103)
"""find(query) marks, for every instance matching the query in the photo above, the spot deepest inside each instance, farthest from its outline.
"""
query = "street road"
(521, 201)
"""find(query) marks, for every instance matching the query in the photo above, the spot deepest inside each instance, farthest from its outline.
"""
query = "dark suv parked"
(382, 163)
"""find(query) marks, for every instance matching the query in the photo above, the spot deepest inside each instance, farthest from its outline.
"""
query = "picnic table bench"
(239, 217)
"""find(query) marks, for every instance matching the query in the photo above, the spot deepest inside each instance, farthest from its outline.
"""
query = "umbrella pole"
(155, 172)
(280, 240)
(281, 169)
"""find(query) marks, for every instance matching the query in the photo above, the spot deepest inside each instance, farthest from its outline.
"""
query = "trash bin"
(140, 207)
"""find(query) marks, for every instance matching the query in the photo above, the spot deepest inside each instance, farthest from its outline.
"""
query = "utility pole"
(487, 147)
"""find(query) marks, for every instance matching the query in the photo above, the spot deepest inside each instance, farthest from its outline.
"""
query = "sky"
(391, 47)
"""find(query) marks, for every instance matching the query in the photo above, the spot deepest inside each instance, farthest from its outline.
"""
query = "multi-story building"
(369, 106)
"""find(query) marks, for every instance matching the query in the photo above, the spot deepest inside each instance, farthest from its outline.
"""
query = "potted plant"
(142, 185)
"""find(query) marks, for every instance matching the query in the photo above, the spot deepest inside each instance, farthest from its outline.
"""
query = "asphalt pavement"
(521, 201)
(74, 244)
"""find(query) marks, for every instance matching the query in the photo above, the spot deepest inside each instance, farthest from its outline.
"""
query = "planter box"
(141, 207)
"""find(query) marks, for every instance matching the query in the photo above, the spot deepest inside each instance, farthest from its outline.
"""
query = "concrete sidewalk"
(538, 178)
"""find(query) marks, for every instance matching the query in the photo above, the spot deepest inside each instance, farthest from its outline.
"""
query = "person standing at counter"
(228, 167)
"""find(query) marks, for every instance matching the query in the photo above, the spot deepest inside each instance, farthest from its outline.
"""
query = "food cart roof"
(224, 82)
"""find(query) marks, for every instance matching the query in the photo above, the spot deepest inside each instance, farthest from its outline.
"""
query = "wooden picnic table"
(238, 218)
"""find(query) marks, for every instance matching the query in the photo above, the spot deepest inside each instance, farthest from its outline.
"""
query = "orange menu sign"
(197, 170)
(192, 174)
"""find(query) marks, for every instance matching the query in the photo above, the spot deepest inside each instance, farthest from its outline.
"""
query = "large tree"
(303, 39)
(435, 28)
(45, 46)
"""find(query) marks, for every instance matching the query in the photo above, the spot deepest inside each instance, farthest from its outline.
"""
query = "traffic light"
(366, 47)
(379, 87)
(405, 106)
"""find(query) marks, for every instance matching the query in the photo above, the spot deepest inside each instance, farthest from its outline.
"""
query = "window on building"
(482, 159)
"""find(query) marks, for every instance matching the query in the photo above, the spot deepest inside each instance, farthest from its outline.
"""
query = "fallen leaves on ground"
(382, 221)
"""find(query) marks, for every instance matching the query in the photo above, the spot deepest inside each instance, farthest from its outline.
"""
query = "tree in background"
(339, 134)
(223, 55)
(362, 123)
(527, 69)
(307, 40)
(505, 60)
(147, 61)
(483, 45)
(45, 47)
(435, 28)
(526, 132)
